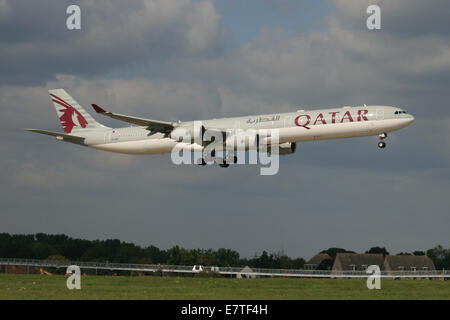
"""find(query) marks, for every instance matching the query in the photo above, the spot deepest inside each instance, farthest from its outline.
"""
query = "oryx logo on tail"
(69, 116)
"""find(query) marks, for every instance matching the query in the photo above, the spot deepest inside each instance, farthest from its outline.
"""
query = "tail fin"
(71, 115)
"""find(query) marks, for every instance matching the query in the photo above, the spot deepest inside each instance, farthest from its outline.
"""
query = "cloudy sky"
(200, 59)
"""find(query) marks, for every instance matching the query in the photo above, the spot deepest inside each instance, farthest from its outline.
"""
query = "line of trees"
(440, 257)
(62, 247)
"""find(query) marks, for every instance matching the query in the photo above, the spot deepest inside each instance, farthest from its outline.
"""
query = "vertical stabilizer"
(72, 116)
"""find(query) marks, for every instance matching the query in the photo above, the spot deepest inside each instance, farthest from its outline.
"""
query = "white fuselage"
(300, 126)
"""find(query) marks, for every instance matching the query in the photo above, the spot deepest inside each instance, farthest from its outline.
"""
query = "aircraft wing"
(60, 136)
(152, 125)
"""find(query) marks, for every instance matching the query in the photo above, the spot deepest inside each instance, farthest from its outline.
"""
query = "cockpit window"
(400, 112)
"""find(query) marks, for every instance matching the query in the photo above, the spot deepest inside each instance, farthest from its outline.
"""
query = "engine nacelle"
(285, 148)
(188, 133)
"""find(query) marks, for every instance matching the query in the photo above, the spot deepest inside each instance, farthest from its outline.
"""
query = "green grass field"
(103, 287)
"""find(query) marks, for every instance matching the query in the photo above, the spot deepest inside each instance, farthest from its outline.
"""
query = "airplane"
(148, 136)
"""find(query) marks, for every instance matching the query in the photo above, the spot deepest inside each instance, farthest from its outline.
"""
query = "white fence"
(232, 271)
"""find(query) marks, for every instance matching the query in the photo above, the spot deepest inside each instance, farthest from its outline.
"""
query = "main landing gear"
(382, 144)
(223, 163)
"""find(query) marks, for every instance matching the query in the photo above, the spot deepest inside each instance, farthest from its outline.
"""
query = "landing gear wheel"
(381, 144)
(224, 165)
(382, 135)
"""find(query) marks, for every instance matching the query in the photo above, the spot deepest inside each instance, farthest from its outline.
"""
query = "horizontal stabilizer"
(60, 136)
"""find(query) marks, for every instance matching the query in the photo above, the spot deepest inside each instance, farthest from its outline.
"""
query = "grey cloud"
(30, 106)
(403, 18)
(345, 64)
(113, 34)
(332, 193)
(201, 207)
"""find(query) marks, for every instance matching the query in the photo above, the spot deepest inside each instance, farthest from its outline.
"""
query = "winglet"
(98, 109)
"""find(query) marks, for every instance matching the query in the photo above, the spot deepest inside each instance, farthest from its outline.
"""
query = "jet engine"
(285, 148)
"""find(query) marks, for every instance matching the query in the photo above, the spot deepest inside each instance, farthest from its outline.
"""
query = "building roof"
(318, 258)
(397, 262)
(357, 261)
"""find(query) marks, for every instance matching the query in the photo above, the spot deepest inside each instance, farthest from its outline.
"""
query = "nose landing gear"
(382, 144)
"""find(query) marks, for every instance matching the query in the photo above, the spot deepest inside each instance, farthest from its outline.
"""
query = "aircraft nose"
(411, 119)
